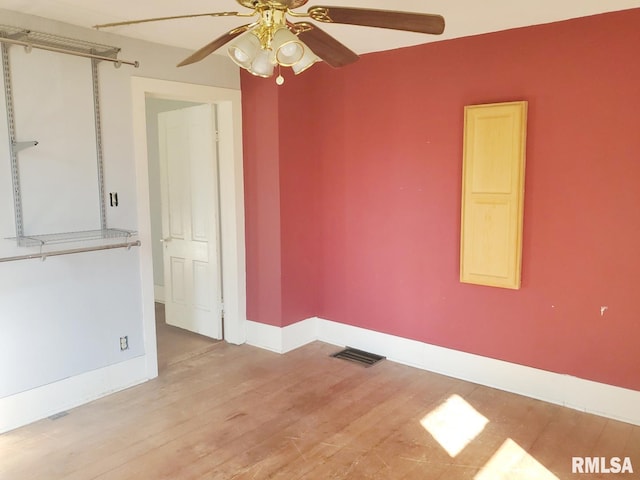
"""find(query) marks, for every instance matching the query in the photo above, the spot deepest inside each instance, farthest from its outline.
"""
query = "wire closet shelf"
(55, 43)
(103, 238)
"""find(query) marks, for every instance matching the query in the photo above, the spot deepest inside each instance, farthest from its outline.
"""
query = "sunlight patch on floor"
(512, 462)
(454, 424)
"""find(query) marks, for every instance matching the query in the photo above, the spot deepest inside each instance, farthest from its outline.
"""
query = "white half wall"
(584, 395)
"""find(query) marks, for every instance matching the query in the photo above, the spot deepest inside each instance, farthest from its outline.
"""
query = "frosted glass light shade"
(262, 66)
(287, 48)
(244, 49)
(307, 60)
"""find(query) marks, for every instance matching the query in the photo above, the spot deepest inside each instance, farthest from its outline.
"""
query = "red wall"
(300, 203)
(262, 203)
(370, 161)
(281, 202)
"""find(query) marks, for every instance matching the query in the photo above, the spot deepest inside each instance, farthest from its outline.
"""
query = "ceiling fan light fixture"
(244, 49)
(262, 66)
(275, 39)
(308, 60)
(287, 48)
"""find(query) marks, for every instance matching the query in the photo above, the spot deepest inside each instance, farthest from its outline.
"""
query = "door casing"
(229, 108)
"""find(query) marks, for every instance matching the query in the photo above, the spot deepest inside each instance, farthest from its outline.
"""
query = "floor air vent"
(358, 356)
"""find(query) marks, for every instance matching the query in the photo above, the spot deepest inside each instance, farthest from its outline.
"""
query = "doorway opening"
(185, 213)
(230, 195)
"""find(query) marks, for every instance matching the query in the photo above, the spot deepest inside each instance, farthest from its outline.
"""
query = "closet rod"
(44, 255)
(12, 41)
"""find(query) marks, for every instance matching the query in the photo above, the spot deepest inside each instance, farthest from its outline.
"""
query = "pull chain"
(279, 78)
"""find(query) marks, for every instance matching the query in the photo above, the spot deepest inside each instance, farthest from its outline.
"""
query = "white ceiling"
(463, 17)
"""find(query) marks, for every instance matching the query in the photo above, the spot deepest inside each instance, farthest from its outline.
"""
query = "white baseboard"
(282, 340)
(158, 293)
(38, 403)
(585, 395)
(592, 397)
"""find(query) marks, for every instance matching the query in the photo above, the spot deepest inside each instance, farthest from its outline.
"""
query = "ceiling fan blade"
(324, 45)
(158, 19)
(410, 22)
(211, 47)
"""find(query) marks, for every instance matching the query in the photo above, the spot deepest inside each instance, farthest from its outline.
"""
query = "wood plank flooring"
(176, 344)
(219, 411)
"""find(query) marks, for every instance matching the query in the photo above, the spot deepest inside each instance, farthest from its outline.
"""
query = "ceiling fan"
(277, 38)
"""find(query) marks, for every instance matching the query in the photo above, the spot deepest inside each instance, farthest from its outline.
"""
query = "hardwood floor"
(176, 344)
(219, 411)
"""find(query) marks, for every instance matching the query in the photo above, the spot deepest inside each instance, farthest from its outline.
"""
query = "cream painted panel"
(175, 137)
(492, 150)
(201, 286)
(489, 238)
(493, 194)
(202, 189)
(178, 280)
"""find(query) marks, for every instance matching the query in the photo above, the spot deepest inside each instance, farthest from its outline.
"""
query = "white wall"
(53, 104)
(63, 317)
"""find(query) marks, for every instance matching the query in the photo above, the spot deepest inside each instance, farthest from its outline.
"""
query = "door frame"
(232, 239)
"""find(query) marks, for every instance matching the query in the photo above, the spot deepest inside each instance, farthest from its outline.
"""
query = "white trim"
(158, 293)
(299, 334)
(265, 336)
(282, 340)
(26, 407)
(585, 395)
(228, 103)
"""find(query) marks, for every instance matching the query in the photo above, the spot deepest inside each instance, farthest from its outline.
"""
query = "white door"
(190, 213)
